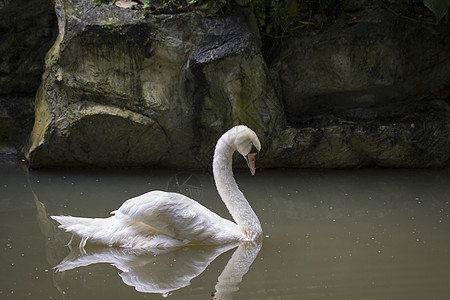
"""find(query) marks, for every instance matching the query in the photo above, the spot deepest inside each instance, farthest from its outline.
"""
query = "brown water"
(360, 234)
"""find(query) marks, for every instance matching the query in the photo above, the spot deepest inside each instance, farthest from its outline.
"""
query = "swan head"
(246, 142)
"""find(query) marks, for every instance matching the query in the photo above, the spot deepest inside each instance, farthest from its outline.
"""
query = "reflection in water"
(358, 234)
(235, 269)
(170, 271)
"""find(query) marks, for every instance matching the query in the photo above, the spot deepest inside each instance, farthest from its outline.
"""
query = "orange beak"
(251, 158)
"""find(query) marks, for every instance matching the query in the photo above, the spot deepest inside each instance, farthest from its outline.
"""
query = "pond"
(346, 234)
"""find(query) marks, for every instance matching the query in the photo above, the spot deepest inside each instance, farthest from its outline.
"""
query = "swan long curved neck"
(228, 190)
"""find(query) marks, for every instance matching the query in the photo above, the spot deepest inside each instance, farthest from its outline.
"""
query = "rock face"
(121, 91)
(416, 138)
(372, 90)
(26, 34)
(375, 61)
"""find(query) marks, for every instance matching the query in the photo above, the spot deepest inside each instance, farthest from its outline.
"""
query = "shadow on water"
(360, 234)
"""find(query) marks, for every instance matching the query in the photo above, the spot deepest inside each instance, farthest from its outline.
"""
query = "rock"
(373, 60)
(26, 34)
(419, 139)
(371, 91)
(120, 91)
(16, 121)
(27, 31)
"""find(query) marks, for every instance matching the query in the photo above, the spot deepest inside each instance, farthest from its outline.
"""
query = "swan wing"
(178, 217)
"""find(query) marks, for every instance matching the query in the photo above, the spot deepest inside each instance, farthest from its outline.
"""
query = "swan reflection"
(163, 273)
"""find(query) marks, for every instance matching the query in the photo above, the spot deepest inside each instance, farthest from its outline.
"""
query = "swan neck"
(228, 190)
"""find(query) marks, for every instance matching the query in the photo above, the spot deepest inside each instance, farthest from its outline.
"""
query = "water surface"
(359, 234)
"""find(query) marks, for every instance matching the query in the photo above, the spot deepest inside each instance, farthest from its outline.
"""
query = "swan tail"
(82, 227)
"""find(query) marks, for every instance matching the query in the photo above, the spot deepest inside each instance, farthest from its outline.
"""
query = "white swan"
(160, 220)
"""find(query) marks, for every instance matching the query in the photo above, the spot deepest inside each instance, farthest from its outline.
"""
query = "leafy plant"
(438, 7)
(423, 9)
(278, 19)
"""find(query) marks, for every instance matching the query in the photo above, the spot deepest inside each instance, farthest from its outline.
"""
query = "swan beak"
(251, 158)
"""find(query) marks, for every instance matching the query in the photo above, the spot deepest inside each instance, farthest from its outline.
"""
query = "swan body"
(158, 220)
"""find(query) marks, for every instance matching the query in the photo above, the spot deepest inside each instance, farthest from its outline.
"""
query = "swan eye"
(254, 151)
